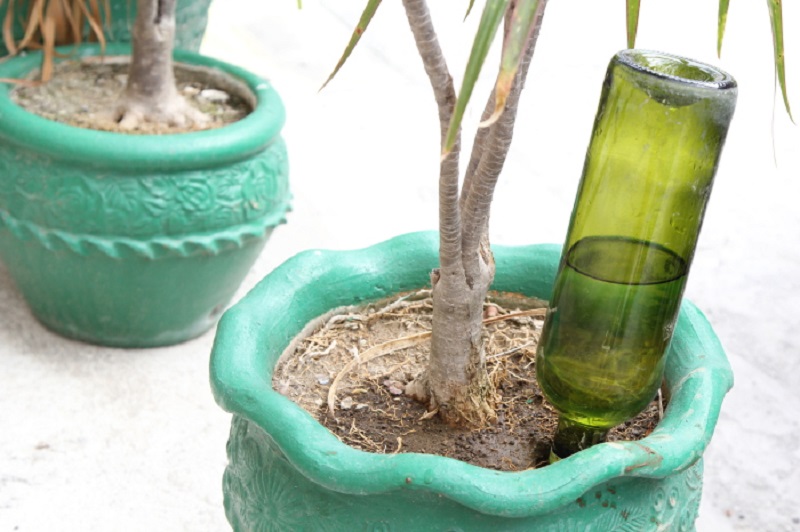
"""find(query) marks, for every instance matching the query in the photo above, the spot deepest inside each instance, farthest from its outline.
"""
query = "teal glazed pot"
(288, 472)
(138, 240)
(191, 19)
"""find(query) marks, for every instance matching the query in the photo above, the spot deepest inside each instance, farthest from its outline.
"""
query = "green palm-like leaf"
(722, 19)
(776, 18)
(492, 15)
(522, 24)
(469, 8)
(366, 17)
(632, 21)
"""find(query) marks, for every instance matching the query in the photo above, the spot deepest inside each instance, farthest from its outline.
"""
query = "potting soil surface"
(85, 93)
(368, 355)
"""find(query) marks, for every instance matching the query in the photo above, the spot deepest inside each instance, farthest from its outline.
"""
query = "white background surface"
(97, 438)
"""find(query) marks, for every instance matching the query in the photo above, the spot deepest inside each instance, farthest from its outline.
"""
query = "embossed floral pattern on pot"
(138, 240)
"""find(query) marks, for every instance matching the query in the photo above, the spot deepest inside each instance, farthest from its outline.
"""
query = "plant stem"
(480, 135)
(151, 77)
(456, 382)
(491, 155)
(151, 94)
(419, 20)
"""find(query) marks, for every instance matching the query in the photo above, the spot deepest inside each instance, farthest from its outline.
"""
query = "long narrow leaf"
(722, 19)
(95, 20)
(521, 26)
(33, 24)
(94, 24)
(61, 26)
(8, 29)
(77, 16)
(69, 17)
(493, 14)
(107, 12)
(469, 8)
(366, 17)
(49, 39)
(632, 21)
(776, 18)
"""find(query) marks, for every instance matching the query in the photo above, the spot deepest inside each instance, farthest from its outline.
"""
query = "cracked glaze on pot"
(137, 240)
(287, 470)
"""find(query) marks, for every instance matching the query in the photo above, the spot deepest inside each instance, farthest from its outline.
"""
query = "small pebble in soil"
(394, 387)
(346, 404)
(214, 95)
(190, 90)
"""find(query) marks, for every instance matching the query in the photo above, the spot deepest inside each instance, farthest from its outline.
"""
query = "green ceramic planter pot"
(191, 20)
(137, 240)
(287, 472)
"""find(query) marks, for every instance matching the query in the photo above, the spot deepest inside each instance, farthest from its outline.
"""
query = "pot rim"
(181, 151)
(252, 335)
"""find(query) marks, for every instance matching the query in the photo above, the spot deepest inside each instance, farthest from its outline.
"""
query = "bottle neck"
(572, 437)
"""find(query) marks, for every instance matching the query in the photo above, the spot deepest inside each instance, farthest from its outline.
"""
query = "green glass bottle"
(655, 147)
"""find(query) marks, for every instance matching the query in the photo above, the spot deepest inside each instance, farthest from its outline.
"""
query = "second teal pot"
(137, 240)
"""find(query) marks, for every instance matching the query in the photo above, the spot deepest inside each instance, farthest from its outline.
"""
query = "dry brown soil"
(371, 412)
(84, 94)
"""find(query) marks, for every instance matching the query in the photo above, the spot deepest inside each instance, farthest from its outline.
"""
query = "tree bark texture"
(151, 94)
(456, 382)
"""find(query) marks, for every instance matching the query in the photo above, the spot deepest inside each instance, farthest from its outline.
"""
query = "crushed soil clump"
(85, 93)
(384, 346)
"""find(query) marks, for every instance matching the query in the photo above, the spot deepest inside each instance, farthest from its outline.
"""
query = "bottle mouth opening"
(676, 68)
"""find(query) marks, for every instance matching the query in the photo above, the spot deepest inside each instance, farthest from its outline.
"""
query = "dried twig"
(405, 342)
(341, 318)
(317, 354)
(22, 82)
(520, 378)
(535, 312)
(428, 415)
(373, 352)
(401, 302)
(510, 352)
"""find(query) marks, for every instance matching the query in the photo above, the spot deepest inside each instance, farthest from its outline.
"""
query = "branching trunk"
(456, 382)
(419, 20)
(494, 146)
(151, 94)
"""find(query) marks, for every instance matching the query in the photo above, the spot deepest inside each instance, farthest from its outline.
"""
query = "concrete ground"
(97, 438)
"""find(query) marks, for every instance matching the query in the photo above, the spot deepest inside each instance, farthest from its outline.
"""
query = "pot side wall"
(137, 240)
